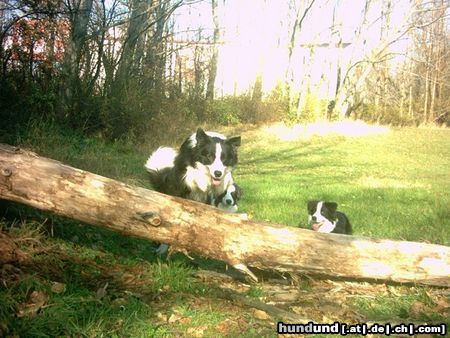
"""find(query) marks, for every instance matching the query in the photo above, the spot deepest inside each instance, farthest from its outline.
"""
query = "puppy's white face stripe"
(228, 197)
(318, 215)
(326, 225)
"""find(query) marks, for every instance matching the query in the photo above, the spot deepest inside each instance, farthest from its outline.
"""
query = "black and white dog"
(323, 217)
(200, 169)
(227, 201)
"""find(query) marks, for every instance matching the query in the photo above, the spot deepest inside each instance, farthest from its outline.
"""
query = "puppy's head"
(217, 153)
(322, 216)
(229, 198)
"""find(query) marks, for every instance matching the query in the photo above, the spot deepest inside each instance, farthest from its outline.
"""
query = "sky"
(255, 34)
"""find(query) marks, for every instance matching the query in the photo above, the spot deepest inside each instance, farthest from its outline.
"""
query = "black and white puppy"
(323, 217)
(227, 201)
(200, 168)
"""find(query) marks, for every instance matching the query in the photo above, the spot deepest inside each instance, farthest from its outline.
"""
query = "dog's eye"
(225, 159)
(207, 155)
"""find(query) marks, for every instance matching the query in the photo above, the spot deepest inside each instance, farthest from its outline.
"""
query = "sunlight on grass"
(377, 182)
(306, 131)
(384, 181)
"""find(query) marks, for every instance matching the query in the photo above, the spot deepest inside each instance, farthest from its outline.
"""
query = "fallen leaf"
(58, 287)
(101, 292)
(417, 308)
(197, 331)
(327, 320)
(185, 320)
(161, 317)
(442, 305)
(259, 314)
(224, 326)
(174, 318)
(36, 300)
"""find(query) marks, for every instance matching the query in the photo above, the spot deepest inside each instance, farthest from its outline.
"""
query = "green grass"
(393, 185)
(386, 307)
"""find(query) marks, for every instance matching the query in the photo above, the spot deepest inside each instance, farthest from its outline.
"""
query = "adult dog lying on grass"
(200, 169)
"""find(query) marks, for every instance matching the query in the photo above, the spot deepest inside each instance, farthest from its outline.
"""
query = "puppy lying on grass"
(323, 217)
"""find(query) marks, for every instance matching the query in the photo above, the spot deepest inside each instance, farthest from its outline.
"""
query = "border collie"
(323, 217)
(227, 201)
(200, 169)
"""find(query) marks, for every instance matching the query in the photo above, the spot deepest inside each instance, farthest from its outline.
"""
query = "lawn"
(81, 280)
(392, 184)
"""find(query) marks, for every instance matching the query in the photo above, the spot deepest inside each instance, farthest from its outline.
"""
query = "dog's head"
(216, 152)
(229, 198)
(322, 215)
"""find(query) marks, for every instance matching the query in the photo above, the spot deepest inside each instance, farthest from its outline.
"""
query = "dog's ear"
(201, 136)
(238, 191)
(311, 206)
(235, 141)
(332, 206)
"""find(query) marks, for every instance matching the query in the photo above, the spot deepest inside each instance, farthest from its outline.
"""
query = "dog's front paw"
(162, 249)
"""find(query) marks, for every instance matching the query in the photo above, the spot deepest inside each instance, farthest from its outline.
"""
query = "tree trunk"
(215, 54)
(427, 90)
(190, 226)
(410, 100)
(79, 17)
(134, 40)
(302, 12)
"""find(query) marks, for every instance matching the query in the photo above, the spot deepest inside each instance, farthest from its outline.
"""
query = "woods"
(121, 67)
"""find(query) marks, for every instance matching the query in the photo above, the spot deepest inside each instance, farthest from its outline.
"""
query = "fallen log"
(190, 226)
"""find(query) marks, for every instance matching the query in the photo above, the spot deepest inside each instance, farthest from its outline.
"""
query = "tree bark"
(190, 226)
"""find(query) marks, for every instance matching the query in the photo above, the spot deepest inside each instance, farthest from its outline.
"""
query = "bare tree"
(215, 53)
(79, 12)
(422, 22)
(301, 12)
